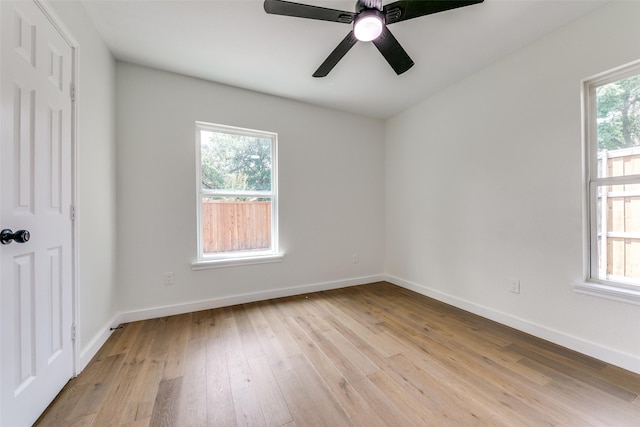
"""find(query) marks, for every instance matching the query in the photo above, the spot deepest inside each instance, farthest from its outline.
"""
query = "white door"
(36, 343)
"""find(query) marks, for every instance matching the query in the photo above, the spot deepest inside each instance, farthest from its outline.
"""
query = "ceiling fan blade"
(408, 9)
(395, 55)
(286, 8)
(337, 54)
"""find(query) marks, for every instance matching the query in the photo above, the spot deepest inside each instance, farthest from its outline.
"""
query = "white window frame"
(229, 259)
(615, 289)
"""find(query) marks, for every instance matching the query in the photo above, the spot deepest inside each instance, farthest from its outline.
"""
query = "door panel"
(36, 293)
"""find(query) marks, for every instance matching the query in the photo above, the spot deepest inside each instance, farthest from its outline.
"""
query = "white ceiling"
(235, 42)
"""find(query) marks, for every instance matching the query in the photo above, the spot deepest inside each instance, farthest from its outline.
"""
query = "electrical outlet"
(168, 278)
(355, 258)
(514, 286)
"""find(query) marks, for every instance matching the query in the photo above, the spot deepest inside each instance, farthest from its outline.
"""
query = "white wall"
(331, 185)
(483, 184)
(96, 177)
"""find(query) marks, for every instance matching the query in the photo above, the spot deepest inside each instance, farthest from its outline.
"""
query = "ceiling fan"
(369, 24)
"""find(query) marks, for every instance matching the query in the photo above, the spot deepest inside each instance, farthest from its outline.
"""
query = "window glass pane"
(618, 127)
(235, 162)
(235, 224)
(618, 233)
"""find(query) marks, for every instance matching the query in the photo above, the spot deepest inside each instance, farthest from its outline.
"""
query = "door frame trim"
(61, 28)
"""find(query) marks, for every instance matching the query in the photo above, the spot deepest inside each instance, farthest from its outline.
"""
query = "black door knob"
(20, 236)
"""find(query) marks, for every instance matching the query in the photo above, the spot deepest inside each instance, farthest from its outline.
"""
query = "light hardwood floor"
(369, 355)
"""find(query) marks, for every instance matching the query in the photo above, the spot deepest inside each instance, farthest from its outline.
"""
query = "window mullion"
(617, 180)
(229, 193)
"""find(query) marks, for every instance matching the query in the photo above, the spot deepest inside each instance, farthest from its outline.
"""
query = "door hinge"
(72, 212)
(73, 332)
(72, 92)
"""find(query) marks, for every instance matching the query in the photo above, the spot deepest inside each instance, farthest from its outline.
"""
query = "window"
(237, 196)
(612, 143)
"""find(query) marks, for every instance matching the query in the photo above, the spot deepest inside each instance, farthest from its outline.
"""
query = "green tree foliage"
(236, 162)
(618, 109)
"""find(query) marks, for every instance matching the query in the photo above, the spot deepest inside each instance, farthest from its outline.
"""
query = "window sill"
(618, 292)
(204, 264)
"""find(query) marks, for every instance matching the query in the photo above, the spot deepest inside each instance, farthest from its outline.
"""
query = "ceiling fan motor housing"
(368, 4)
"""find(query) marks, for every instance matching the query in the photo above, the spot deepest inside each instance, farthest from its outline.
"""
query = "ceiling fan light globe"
(368, 27)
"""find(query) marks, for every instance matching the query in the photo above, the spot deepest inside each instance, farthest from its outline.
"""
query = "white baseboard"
(90, 350)
(170, 310)
(623, 360)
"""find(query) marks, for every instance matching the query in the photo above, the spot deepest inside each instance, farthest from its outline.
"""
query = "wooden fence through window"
(235, 226)
(619, 213)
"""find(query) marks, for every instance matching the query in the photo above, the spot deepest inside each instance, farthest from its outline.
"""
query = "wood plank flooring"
(374, 355)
